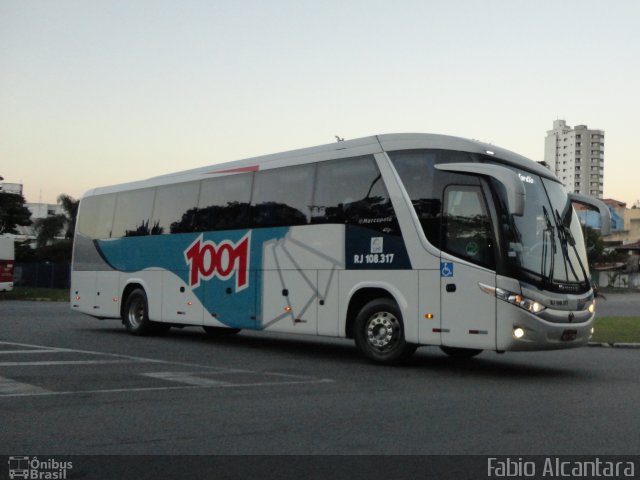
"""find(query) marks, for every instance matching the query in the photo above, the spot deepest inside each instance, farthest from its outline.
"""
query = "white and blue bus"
(394, 240)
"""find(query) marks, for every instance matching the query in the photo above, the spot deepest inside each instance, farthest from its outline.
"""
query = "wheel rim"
(383, 331)
(136, 312)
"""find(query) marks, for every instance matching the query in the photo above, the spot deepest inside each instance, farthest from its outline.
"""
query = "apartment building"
(576, 156)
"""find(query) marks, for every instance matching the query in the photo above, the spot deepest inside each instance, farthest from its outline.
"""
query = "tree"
(57, 252)
(13, 212)
(70, 207)
(594, 244)
(596, 251)
(48, 228)
(24, 252)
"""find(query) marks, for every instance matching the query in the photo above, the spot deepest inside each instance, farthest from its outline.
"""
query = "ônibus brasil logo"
(207, 260)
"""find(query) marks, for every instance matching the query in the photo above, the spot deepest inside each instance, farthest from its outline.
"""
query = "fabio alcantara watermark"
(33, 468)
(556, 467)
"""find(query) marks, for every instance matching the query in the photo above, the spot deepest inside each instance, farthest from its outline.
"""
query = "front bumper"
(540, 334)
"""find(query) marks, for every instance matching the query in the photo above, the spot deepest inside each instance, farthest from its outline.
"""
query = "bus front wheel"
(135, 315)
(379, 333)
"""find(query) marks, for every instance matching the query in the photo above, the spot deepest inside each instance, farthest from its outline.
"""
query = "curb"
(615, 345)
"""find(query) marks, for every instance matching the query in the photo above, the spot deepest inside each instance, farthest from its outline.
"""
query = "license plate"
(569, 335)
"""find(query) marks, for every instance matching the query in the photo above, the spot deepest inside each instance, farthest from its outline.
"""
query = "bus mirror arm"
(508, 178)
(605, 214)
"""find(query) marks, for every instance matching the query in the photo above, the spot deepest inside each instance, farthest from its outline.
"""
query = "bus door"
(289, 287)
(468, 314)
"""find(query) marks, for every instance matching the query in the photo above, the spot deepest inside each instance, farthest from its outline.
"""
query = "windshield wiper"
(549, 230)
(566, 237)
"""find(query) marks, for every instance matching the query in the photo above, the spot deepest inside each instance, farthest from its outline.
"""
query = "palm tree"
(70, 207)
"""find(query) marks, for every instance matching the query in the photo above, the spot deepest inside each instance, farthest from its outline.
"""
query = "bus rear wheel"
(379, 333)
(135, 315)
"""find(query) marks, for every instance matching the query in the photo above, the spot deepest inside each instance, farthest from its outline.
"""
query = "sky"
(96, 93)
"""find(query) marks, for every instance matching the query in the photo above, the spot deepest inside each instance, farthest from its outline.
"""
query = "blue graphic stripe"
(238, 309)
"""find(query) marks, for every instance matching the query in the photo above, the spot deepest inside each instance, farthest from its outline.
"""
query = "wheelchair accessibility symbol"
(446, 269)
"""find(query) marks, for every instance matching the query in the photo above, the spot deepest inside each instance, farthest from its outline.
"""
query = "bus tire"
(135, 315)
(217, 331)
(379, 333)
(461, 353)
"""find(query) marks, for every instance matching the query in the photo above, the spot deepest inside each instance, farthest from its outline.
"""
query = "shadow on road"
(343, 351)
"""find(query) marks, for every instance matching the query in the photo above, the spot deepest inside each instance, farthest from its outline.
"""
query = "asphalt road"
(70, 384)
(618, 304)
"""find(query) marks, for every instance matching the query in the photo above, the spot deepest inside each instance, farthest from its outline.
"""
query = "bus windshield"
(547, 240)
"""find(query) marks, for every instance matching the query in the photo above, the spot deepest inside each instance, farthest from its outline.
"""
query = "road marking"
(152, 360)
(64, 362)
(198, 379)
(9, 387)
(89, 352)
(188, 378)
(7, 352)
(109, 390)
(119, 355)
(156, 389)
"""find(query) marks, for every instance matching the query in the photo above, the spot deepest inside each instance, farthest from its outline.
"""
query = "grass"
(617, 330)
(35, 293)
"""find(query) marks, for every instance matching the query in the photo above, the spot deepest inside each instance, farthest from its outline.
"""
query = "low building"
(630, 232)
(591, 218)
(38, 211)
(15, 188)
(44, 210)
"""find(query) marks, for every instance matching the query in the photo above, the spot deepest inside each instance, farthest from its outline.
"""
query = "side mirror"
(508, 178)
(605, 214)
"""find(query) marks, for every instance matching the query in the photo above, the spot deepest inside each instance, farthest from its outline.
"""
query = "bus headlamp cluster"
(520, 301)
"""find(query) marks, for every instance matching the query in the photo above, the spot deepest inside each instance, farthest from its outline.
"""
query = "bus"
(7, 263)
(394, 241)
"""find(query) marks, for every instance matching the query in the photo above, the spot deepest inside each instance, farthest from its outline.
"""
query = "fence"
(45, 274)
(618, 279)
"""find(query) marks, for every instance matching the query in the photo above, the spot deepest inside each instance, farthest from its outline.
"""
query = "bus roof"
(349, 148)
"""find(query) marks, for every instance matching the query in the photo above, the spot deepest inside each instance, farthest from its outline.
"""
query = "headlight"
(527, 304)
(522, 302)
(513, 298)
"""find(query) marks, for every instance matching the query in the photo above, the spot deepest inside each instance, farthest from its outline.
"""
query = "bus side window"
(171, 204)
(282, 196)
(133, 213)
(351, 191)
(424, 184)
(223, 205)
(416, 171)
(466, 227)
(96, 216)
